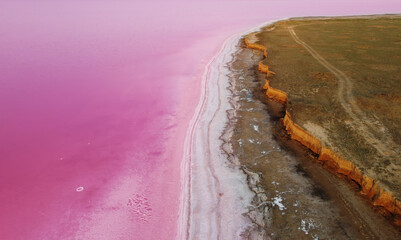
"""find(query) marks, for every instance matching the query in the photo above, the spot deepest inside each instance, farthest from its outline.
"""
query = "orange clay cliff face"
(380, 198)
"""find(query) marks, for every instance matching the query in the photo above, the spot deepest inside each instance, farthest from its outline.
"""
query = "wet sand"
(295, 198)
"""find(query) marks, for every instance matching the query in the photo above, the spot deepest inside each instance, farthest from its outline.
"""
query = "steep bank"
(371, 189)
(295, 198)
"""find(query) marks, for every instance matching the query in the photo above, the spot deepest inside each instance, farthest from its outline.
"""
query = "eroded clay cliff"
(381, 198)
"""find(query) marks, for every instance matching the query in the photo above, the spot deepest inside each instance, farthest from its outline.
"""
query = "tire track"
(360, 121)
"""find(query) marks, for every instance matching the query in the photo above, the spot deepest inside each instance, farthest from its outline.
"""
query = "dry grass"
(367, 51)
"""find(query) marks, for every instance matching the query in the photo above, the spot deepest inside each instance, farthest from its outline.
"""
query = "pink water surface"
(95, 100)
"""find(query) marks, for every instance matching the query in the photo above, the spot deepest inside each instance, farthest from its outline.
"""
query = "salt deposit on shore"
(216, 195)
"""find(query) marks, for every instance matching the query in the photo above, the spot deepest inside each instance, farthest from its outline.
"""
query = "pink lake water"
(95, 101)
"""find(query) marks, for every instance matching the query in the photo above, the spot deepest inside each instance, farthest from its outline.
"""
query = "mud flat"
(304, 199)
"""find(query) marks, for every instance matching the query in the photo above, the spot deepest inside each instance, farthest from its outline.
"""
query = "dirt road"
(366, 126)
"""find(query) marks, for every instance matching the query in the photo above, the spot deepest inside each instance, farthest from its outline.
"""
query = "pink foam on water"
(95, 101)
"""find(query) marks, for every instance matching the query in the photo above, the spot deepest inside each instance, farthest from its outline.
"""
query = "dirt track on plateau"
(365, 126)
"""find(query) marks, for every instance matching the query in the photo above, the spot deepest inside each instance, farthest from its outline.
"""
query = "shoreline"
(203, 216)
(186, 214)
(184, 222)
(99, 104)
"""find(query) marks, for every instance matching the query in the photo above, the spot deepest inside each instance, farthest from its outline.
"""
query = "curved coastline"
(369, 188)
(239, 200)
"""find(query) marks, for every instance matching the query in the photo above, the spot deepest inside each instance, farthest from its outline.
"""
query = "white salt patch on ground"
(308, 225)
(256, 128)
(277, 201)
